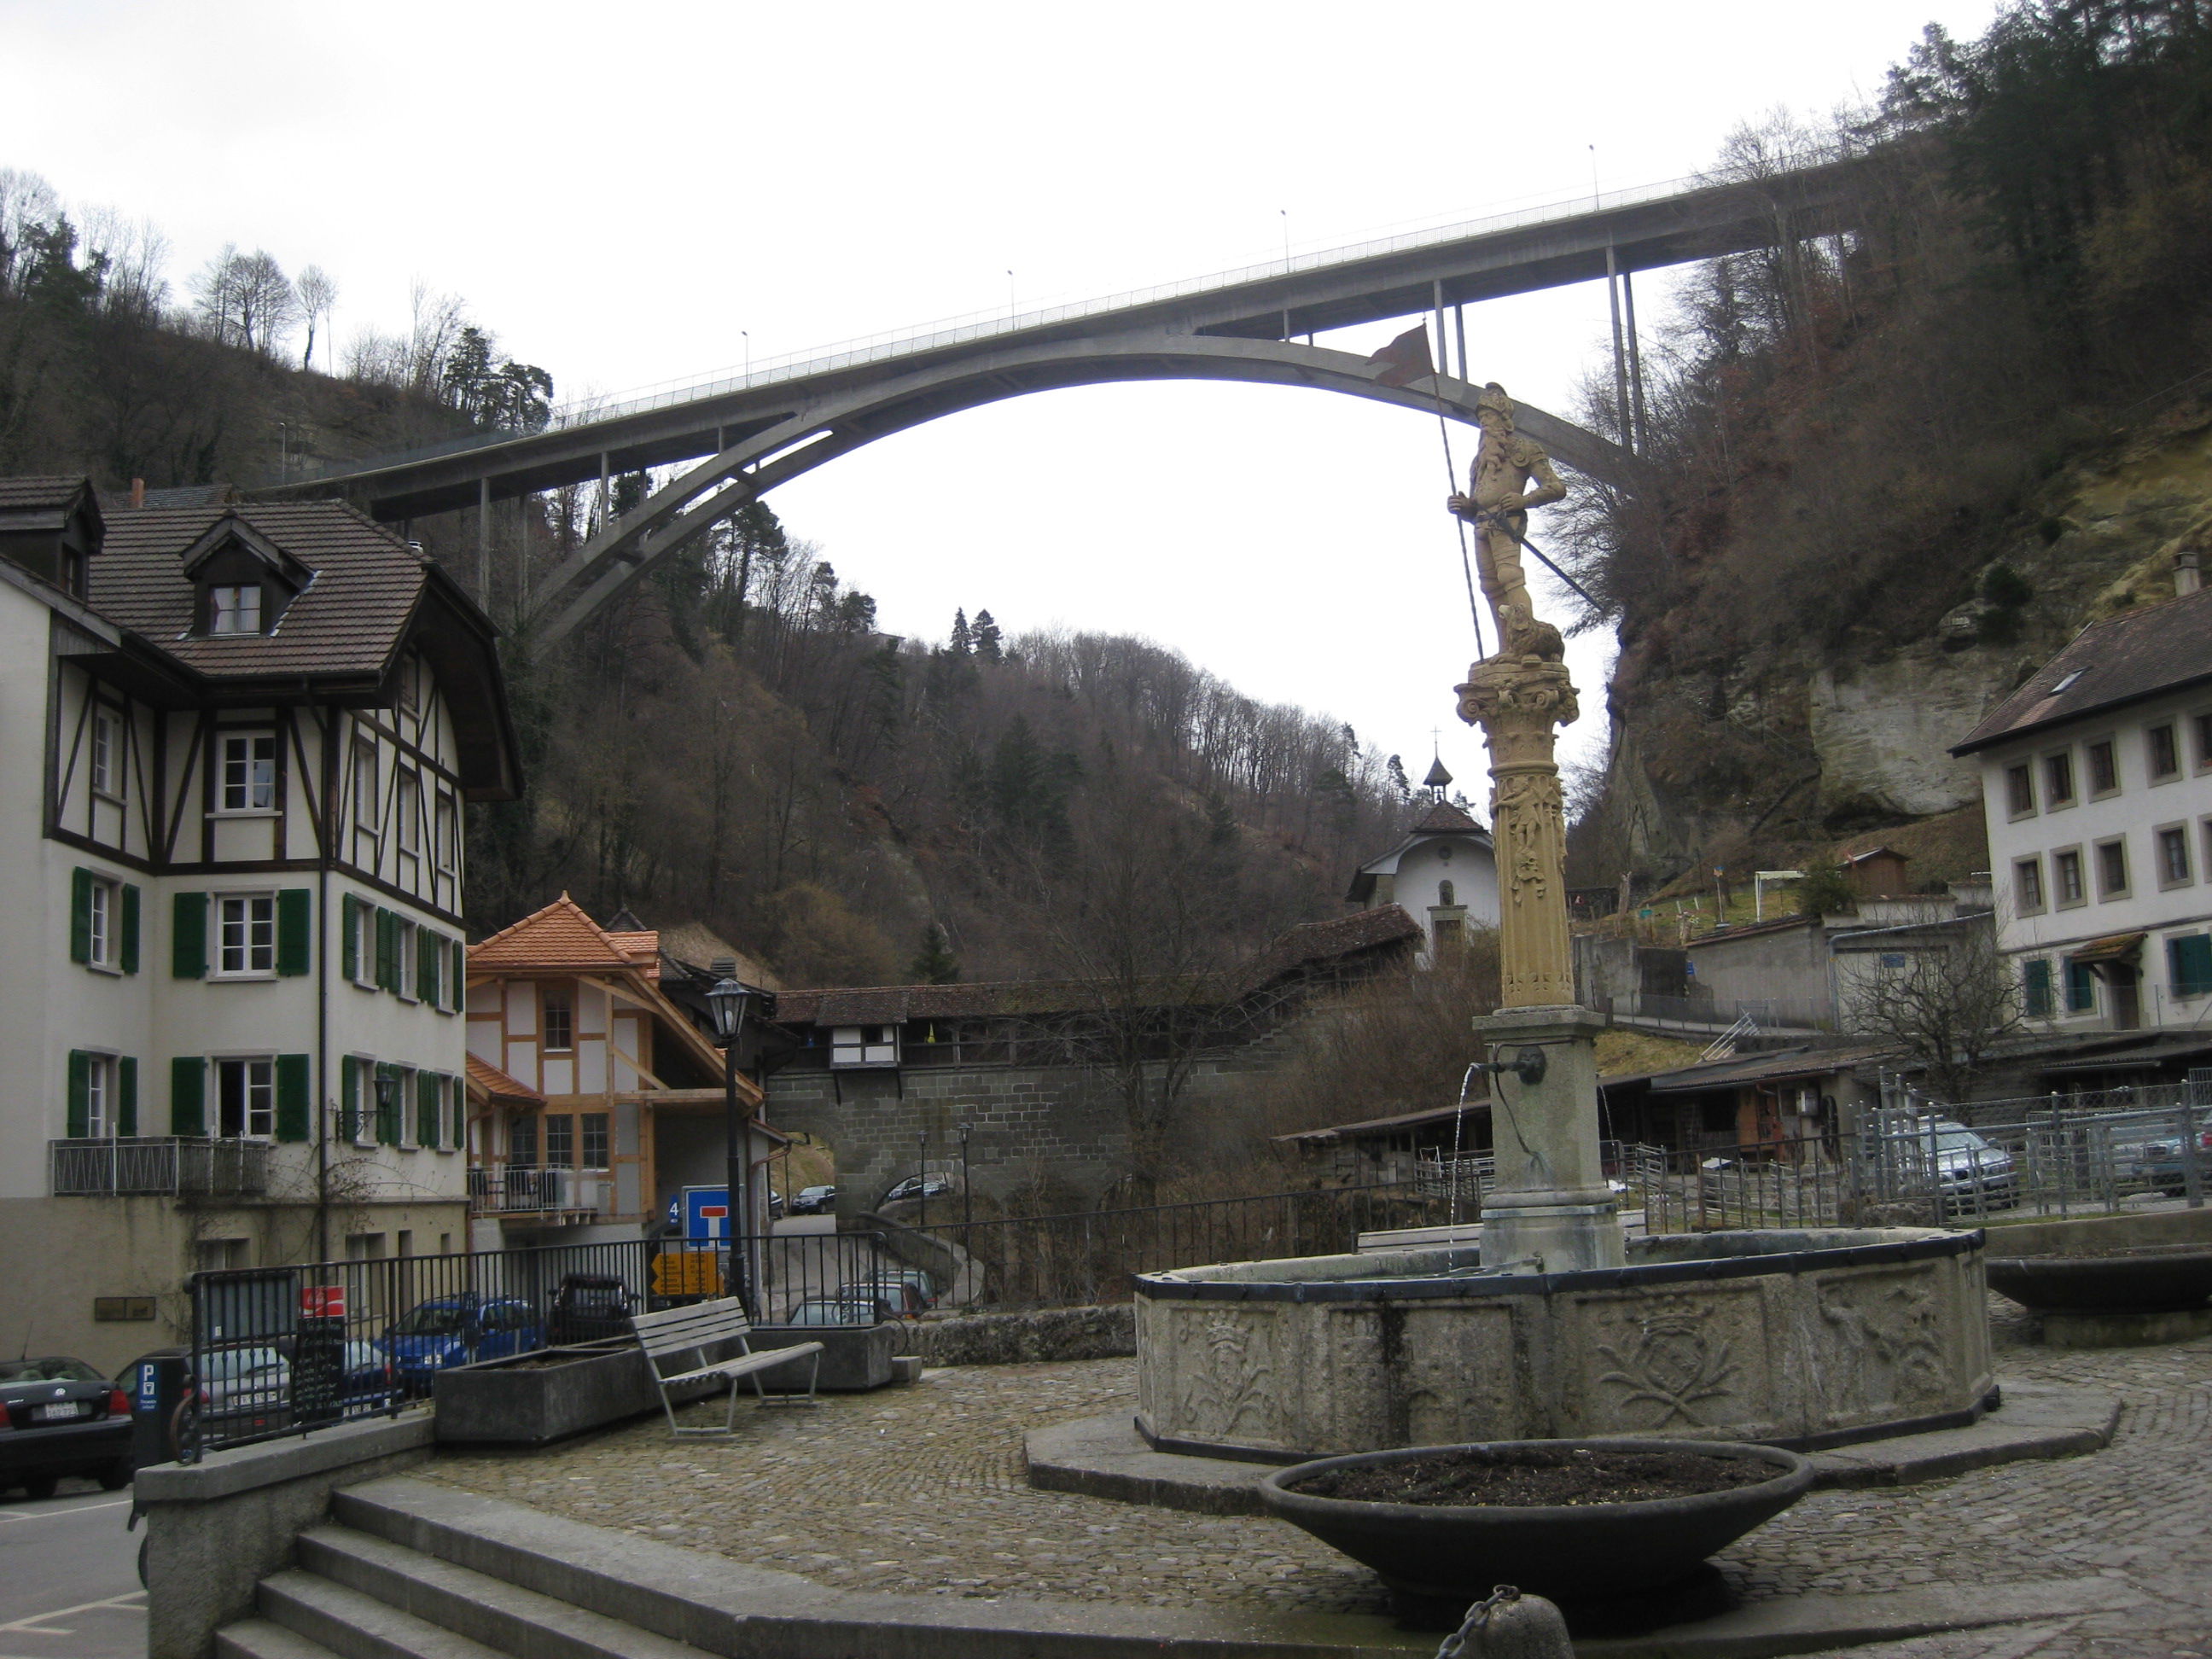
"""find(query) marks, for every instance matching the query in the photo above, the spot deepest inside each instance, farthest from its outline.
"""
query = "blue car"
(457, 1330)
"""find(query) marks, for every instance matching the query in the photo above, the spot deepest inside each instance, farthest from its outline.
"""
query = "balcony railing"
(158, 1166)
(517, 1188)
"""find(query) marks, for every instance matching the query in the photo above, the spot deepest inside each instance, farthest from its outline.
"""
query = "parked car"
(457, 1330)
(1971, 1175)
(920, 1282)
(2159, 1162)
(814, 1200)
(843, 1309)
(912, 1187)
(589, 1308)
(63, 1418)
(908, 1301)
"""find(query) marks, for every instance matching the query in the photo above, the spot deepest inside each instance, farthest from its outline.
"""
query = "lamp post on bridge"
(727, 1001)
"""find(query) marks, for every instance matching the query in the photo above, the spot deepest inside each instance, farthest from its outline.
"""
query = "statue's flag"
(1405, 360)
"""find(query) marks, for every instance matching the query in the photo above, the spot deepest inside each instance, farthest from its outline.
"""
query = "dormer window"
(234, 610)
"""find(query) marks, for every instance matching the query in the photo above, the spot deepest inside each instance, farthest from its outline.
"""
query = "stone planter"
(854, 1357)
(1586, 1553)
(528, 1400)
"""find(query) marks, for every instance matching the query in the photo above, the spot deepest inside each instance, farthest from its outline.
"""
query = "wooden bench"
(695, 1329)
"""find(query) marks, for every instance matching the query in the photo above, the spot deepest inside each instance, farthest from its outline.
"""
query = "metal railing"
(157, 1166)
(1768, 1013)
(510, 1188)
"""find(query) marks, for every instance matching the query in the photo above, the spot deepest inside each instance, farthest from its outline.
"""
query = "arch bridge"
(746, 435)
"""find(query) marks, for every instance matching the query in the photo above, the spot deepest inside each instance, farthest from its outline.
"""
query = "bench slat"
(745, 1364)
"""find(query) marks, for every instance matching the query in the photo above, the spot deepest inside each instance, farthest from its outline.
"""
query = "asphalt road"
(70, 1590)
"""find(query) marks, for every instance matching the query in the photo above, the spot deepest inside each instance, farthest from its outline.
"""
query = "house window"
(2104, 768)
(2203, 725)
(245, 1099)
(2189, 965)
(234, 610)
(444, 842)
(864, 1045)
(365, 801)
(100, 1095)
(2027, 885)
(106, 753)
(2020, 789)
(559, 1017)
(2111, 869)
(2035, 987)
(2165, 752)
(2172, 856)
(2058, 778)
(522, 1142)
(593, 1131)
(407, 789)
(2066, 876)
(406, 960)
(246, 765)
(559, 1141)
(2081, 988)
(246, 933)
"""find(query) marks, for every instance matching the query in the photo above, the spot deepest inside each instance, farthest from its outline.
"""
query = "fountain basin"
(1568, 1553)
(2151, 1278)
(1801, 1338)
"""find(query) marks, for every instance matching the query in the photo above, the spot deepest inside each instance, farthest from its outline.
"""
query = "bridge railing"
(912, 340)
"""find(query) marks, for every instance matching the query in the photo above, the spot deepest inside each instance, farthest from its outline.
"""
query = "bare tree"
(246, 299)
(130, 254)
(29, 207)
(317, 293)
(1946, 1006)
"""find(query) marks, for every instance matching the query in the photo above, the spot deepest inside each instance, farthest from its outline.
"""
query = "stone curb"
(1105, 1456)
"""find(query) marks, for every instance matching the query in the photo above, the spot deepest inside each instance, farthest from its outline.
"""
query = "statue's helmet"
(1493, 397)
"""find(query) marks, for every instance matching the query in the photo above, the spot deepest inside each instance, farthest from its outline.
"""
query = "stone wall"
(1012, 1338)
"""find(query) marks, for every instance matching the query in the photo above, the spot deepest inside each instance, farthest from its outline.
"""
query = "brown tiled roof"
(559, 936)
(2161, 647)
(1442, 818)
(1363, 931)
(351, 620)
(37, 495)
(643, 951)
(694, 944)
(488, 1080)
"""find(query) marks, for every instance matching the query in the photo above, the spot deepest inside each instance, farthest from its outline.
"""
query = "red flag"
(1405, 360)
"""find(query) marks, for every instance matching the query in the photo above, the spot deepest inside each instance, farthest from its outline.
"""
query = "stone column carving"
(1517, 702)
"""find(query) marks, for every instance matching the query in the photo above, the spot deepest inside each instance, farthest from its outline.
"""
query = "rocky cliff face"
(1786, 738)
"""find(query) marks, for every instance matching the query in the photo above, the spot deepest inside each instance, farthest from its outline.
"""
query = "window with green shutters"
(390, 1101)
(387, 950)
(187, 1096)
(103, 1095)
(188, 938)
(295, 1094)
(127, 953)
(2189, 965)
(79, 1126)
(2035, 983)
(460, 979)
(103, 921)
(430, 957)
(2081, 987)
(126, 1095)
(429, 1107)
(295, 930)
(81, 918)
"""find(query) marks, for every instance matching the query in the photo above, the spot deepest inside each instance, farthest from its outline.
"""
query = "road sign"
(706, 1212)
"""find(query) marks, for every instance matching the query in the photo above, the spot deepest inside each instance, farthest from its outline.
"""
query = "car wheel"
(116, 1476)
(40, 1487)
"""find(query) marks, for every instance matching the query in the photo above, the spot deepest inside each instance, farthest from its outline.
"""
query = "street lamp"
(387, 1084)
(726, 1002)
(967, 1189)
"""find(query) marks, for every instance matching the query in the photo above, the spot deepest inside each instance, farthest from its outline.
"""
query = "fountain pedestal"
(1548, 1209)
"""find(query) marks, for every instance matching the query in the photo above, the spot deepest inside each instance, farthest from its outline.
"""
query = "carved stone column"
(1517, 702)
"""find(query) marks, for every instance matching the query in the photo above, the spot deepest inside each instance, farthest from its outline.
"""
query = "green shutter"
(188, 945)
(349, 1098)
(387, 950)
(459, 995)
(295, 930)
(80, 1095)
(126, 1095)
(130, 961)
(187, 1096)
(2189, 961)
(426, 1108)
(2036, 975)
(292, 1096)
(349, 937)
(426, 963)
(81, 916)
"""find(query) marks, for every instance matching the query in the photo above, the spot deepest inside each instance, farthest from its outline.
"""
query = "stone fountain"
(1555, 1326)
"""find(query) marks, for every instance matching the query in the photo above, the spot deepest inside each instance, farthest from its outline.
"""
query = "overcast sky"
(626, 193)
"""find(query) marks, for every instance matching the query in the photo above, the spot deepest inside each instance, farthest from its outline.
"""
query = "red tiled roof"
(491, 1081)
(1442, 818)
(2161, 647)
(559, 936)
(643, 949)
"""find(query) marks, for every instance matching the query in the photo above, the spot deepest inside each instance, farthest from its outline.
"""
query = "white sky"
(618, 191)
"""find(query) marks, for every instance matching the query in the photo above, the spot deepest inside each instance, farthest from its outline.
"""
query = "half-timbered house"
(235, 746)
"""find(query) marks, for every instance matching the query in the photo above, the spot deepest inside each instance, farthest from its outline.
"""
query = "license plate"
(55, 1413)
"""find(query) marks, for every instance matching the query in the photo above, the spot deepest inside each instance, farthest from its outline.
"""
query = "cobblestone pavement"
(919, 1490)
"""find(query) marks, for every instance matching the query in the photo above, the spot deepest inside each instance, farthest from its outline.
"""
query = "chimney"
(2188, 571)
(137, 492)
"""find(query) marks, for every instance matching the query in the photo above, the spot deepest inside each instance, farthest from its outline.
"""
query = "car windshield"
(53, 1369)
(430, 1320)
(233, 1363)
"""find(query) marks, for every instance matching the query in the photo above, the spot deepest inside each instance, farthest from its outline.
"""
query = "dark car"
(61, 1416)
(814, 1200)
(457, 1330)
(912, 1187)
(589, 1308)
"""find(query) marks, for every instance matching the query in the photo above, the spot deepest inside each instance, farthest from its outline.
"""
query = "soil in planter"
(1536, 1479)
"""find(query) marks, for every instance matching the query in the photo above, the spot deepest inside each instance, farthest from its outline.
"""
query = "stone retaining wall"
(1011, 1339)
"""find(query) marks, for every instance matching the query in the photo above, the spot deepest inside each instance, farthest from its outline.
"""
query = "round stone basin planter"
(2154, 1278)
(1580, 1553)
(1803, 1338)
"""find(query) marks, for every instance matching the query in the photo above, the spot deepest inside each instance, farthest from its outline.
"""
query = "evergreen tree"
(963, 643)
(986, 638)
(1399, 780)
(936, 965)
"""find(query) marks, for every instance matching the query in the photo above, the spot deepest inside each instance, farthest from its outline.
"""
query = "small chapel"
(1443, 872)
